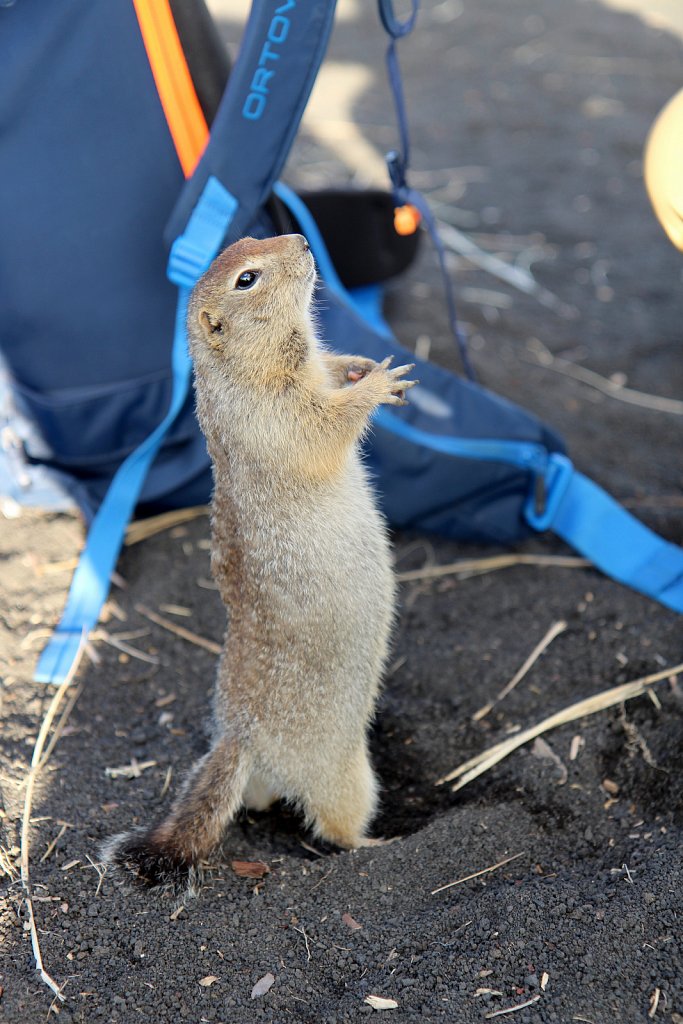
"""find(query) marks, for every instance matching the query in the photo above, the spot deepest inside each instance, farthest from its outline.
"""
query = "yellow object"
(406, 219)
(664, 168)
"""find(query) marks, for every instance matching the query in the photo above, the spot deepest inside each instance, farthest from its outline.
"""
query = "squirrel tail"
(170, 853)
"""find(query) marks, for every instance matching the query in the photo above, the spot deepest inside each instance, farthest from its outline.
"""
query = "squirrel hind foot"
(150, 864)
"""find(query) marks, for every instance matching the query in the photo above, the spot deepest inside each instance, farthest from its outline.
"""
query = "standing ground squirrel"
(301, 557)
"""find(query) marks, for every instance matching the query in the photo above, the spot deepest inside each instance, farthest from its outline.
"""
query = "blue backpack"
(109, 218)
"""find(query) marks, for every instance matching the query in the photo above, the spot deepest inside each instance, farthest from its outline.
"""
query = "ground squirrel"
(301, 557)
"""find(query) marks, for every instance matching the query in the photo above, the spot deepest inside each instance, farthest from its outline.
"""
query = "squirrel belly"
(310, 618)
(301, 557)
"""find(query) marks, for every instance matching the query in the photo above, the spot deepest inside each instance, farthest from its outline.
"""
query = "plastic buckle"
(192, 252)
(187, 262)
(547, 491)
(397, 170)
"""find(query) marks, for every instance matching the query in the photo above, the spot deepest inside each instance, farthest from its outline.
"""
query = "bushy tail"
(170, 853)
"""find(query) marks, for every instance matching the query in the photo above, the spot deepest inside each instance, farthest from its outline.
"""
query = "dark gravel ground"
(529, 120)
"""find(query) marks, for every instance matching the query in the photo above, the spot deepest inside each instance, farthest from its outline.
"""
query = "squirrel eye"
(246, 279)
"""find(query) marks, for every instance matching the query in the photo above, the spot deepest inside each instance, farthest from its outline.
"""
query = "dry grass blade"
(7, 867)
(302, 931)
(33, 636)
(38, 761)
(545, 358)
(512, 1009)
(491, 564)
(48, 568)
(184, 634)
(477, 874)
(555, 630)
(51, 845)
(176, 609)
(146, 528)
(101, 870)
(476, 766)
(121, 645)
(59, 728)
(167, 782)
(130, 771)
(518, 277)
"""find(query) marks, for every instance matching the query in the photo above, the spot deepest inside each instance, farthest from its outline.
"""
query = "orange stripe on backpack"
(184, 115)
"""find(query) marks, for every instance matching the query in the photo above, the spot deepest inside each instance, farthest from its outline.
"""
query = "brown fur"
(300, 555)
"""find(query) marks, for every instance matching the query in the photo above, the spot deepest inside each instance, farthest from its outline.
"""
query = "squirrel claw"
(400, 393)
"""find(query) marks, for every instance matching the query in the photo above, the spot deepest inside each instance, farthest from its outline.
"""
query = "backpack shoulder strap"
(252, 133)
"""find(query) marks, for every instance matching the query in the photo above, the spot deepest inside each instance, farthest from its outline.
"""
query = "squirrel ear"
(211, 324)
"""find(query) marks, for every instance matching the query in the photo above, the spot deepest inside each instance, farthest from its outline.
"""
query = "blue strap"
(394, 26)
(190, 256)
(282, 48)
(526, 455)
(406, 194)
(574, 508)
(593, 523)
(398, 160)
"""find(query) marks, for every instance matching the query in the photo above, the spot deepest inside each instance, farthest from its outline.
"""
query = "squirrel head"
(250, 313)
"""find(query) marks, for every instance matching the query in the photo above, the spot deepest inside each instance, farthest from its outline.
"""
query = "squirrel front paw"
(390, 384)
(360, 367)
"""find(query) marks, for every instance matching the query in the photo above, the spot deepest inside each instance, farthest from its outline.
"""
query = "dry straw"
(476, 766)
(491, 564)
(477, 874)
(38, 761)
(542, 356)
(555, 630)
(143, 529)
(184, 634)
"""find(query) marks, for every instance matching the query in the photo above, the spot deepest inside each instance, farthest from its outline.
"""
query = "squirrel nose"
(292, 239)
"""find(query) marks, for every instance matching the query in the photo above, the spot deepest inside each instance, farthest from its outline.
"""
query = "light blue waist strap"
(588, 519)
(574, 508)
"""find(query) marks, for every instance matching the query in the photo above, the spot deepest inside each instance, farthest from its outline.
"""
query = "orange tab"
(406, 219)
(184, 114)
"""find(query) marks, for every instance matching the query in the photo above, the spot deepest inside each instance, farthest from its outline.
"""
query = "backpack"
(107, 184)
